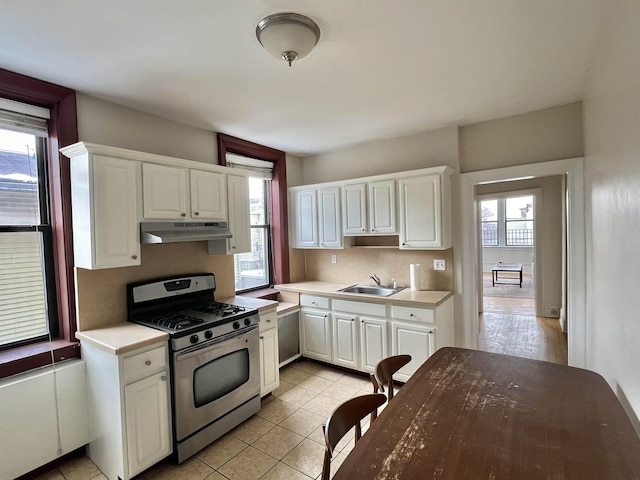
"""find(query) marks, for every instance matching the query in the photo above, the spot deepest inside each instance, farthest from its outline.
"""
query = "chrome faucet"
(375, 278)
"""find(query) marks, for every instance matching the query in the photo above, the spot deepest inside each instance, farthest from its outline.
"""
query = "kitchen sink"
(371, 290)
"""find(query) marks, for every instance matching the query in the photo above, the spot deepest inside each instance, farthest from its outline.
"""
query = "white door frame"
(576, 250)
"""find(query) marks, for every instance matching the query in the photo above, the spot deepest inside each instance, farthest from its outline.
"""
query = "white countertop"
(122, 337)
(425, 298)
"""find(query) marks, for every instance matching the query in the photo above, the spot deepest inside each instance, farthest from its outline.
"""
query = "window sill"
(25, 358)
(263, 293)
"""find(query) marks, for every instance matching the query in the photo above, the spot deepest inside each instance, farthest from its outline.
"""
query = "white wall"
(612, 180)
(427, 149)
(549, 134)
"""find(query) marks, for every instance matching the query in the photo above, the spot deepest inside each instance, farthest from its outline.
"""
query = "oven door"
(212, 380)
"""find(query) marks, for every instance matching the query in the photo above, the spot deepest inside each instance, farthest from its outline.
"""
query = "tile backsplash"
(101, 295)
(355, 265)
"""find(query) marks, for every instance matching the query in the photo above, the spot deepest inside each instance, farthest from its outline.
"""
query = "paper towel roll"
(414, 276)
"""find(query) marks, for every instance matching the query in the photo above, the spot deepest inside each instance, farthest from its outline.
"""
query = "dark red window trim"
(279, 222)
(63, 131)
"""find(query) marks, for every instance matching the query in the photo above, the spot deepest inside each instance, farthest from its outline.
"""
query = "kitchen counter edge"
(424, 298)
(122, 337)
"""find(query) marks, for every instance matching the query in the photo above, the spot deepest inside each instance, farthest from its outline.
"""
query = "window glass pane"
(519, 220)
(518, 208)
(519, 232)
(252, 269)
(23, 313)
(19, 197)
(489, 218)
(257, 201)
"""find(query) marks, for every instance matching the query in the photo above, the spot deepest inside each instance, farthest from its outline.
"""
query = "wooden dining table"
(467, 414)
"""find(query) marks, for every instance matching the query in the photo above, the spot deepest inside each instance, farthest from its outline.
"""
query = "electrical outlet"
(439, 265)
(334, 259)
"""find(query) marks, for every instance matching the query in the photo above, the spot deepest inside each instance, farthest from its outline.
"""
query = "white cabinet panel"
(306, 219)
(330, 225)
(269, 371)
(416, 340)
(345, 340)
(239, 215)
(164, 192)
(354, 209)
(382, 207)
(208, 195)
(373, 342)
(316, 334)
(146, 410)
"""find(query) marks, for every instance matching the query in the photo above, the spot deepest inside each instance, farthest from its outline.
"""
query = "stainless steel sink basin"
(371, 290)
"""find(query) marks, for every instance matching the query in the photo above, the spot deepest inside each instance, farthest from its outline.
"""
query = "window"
(507, 221)
(253, 269)
(28, 309)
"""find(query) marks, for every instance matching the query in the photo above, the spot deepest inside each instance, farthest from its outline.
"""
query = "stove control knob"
(247, 321)
(208, 334)
(236, 325)
(194, 339)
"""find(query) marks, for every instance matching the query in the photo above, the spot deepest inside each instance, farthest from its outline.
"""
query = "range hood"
(172, 232)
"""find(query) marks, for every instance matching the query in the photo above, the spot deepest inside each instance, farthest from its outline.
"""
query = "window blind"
(21, 117)
(258, 168)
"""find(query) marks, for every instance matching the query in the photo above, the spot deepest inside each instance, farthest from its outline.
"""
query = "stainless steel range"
(215, 364)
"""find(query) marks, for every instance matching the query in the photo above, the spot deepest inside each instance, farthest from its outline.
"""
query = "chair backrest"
(343, 419)
(385, 369)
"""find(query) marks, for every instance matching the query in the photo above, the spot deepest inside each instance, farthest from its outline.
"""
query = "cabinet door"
(382, 207)
(373, 342)
(345, 346)
(208, 195)
(164, 192)
(420, 212)
(306, 217)
(116, 237)
(415, 340)
(316, 335)
(354, 209)
(330, 225)
(269, 372)
(147, 422)
(239, 215)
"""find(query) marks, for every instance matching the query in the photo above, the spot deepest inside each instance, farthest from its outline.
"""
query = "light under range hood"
(173, 232)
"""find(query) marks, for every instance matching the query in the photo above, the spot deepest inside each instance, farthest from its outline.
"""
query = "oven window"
(220, 377)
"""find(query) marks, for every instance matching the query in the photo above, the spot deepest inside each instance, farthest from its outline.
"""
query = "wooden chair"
(343, 419)
(383, 376)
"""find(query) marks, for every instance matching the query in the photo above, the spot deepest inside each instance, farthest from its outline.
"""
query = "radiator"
(32, 405)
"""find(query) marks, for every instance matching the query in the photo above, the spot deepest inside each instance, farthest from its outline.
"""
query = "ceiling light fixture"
(288, 36)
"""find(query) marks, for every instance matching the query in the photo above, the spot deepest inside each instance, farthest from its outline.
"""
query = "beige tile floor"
(283, 441)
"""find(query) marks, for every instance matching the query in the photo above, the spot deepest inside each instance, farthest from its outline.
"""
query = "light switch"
(439, 265)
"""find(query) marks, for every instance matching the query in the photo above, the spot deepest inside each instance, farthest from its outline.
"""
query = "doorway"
(470, 261)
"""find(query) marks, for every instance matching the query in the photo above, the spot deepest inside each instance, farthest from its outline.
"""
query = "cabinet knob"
(322, 244)
(234, 247)
(163, 378)
(268, 320)
(411, 315)
(147, 363)
(353, 319)
(261, 337)
(430, 332)
(361, 321)
(196, 213)
(134, 257)
(403, 243)
(183, 214)
(363, 229)
(313, 303)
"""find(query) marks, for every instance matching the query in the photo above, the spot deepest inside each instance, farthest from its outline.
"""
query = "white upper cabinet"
(354, 209)
(306, 218)
(209, 195)
(105, 211)
(382, 207)
(425, 221)
(330, 228)
(239, 219)
(172, 193)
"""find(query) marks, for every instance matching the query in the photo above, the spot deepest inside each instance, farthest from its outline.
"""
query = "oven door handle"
(215, 343)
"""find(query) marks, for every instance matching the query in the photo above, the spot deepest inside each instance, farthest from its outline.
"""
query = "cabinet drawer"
(360, 308)
(314, 301)
(268, 320)
(144, 363)
(425, 315)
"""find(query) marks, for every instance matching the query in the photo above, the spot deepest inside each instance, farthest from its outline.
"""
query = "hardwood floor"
(509, 326)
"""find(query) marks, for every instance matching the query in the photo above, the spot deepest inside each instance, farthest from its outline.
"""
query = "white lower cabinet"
(414, 339)
(316, 334)
(345, 340)
(373, 342)
(269, 355)
(129, 409)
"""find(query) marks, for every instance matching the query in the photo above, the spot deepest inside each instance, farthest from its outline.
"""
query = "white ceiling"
(382, 68)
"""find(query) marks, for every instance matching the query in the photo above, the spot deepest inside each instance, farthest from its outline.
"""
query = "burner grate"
(175, 321)
(221, 309)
